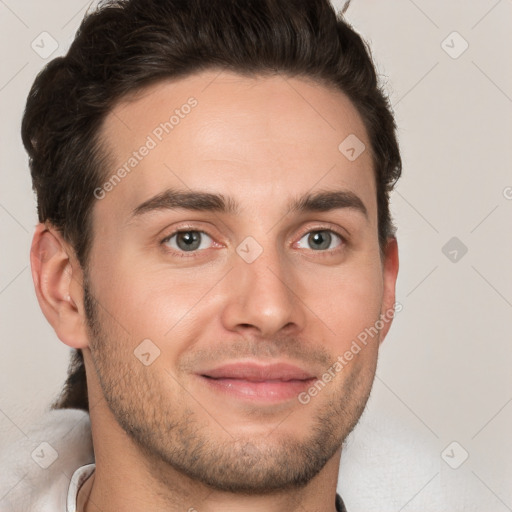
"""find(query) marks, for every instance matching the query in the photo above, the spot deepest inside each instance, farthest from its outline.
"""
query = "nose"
(263, 296)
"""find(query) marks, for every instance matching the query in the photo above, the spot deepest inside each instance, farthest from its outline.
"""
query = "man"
(213, 181)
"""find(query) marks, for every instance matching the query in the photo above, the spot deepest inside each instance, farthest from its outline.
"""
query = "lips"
(259, 373)
(267, 382)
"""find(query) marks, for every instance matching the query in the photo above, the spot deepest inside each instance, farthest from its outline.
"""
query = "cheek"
(168, 304)
(347, 302)
(160, 304)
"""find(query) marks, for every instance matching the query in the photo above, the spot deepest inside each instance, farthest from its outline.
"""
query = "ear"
(390, 273)
(58, 280)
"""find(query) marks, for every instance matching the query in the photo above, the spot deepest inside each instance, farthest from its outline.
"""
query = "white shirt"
(77, 480)
(385, 462)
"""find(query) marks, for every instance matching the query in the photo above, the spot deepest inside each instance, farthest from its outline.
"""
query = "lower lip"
(269, 390)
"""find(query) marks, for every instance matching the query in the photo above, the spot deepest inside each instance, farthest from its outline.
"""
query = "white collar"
(77, 480)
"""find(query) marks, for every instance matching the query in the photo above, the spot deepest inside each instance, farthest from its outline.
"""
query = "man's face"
(246, 309)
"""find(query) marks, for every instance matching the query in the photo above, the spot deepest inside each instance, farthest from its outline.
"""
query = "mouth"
(258, 382)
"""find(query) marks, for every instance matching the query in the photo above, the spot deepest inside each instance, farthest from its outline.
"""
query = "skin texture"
(164, 438)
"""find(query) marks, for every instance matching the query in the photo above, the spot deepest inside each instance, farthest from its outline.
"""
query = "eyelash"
(193, 254)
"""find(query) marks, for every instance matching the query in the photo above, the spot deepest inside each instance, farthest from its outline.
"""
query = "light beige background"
(445, 370)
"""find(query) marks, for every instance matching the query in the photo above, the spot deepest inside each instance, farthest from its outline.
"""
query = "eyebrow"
(196, 200)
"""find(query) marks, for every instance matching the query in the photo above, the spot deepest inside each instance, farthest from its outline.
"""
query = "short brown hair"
(124, 46)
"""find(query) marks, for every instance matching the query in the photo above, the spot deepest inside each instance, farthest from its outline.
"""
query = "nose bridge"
(261, 289)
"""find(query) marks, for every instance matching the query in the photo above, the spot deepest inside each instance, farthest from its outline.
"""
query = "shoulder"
(389, 463)
(35, 471)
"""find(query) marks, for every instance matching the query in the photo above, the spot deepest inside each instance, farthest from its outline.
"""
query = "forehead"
(261, 138)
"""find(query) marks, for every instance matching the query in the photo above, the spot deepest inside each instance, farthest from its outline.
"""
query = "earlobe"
(57, 280)
(390, 273)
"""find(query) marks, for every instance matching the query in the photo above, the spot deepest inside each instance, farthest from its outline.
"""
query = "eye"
(322, 240)
(187, 241)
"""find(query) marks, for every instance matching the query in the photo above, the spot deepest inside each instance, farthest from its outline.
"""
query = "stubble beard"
(179, 440)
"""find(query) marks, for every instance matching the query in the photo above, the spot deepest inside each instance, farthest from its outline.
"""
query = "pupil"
(322, 239)
(189, 240)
